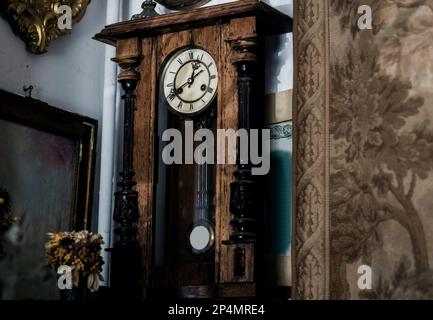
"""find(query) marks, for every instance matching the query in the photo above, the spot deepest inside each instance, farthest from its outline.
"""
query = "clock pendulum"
(201, 236)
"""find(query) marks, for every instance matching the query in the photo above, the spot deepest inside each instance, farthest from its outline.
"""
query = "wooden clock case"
(233, 34)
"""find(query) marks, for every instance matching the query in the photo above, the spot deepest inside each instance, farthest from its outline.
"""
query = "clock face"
(190, 81)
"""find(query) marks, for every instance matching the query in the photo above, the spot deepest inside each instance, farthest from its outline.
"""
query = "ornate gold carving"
(311, 109)
(36, 21)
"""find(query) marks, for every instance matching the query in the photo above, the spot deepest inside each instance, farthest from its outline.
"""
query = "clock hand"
(190, 81)
(182, 86)
(195, 66)
(197, 74)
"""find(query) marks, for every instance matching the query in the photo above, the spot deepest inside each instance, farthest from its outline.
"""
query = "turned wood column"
(243, 198)
(125, 260)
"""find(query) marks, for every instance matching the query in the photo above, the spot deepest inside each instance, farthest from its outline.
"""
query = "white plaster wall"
(70, 76)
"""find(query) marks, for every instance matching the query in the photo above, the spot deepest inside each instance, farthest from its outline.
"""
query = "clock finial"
(182, 4)
(148, 7)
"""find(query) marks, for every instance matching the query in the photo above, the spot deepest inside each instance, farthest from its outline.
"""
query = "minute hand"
(190, 80)
(196, 75)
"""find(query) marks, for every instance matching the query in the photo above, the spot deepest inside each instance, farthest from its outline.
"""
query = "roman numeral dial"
(189, 81)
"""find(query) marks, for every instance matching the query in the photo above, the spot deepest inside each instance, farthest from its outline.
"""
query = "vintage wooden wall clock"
(193, 227)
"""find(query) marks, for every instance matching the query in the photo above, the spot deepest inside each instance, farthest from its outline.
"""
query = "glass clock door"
(185, 210)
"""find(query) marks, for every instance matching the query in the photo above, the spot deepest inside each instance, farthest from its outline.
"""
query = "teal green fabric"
(278, 214)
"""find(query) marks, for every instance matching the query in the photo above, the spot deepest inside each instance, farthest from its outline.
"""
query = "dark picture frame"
(47, 164)
(82, 130)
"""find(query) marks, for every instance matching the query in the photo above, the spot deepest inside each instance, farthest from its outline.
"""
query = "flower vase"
(80, 293)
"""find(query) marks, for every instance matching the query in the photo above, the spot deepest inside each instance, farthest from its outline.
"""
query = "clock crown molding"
(270, 21)
(35, 21)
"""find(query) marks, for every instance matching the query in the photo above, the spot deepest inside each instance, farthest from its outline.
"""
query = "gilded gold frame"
(36, 21)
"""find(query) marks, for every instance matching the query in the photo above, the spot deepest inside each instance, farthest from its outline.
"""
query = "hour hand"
(189, 82)
(194, 75)
(195, 66)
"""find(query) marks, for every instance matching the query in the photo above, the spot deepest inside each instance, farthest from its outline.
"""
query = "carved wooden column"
(243, 190)
(125, 260)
